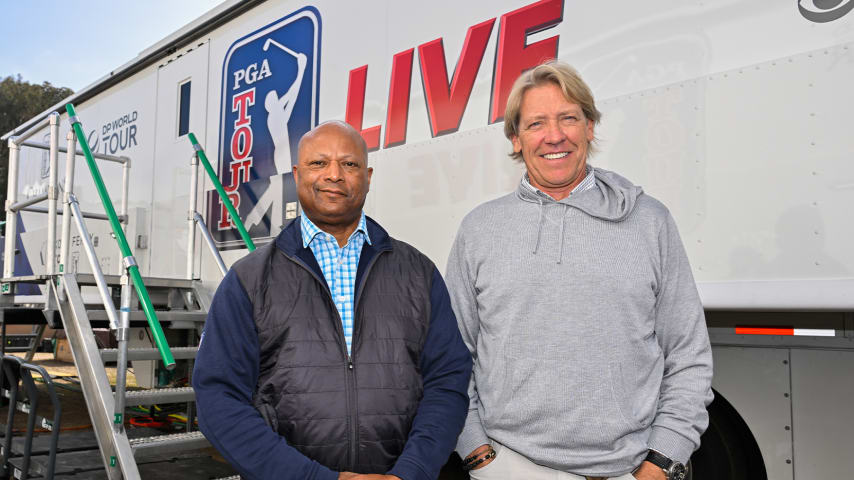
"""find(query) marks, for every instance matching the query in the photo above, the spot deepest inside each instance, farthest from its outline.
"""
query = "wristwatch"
(672, 470)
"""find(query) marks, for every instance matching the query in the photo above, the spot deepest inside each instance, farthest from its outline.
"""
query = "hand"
(648, 471)
(477, 452)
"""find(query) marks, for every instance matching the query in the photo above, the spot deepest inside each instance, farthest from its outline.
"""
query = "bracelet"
(474, 457)
(469, 465)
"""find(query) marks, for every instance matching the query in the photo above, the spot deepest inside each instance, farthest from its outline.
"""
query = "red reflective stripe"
(764, 331)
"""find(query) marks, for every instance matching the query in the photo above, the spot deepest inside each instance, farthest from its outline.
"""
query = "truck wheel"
(728, 450)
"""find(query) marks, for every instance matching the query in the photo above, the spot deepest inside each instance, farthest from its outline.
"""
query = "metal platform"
(73, 441)
(87, 465)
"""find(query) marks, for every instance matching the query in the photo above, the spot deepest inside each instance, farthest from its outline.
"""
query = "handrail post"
(70, 158)
(221, 191)
(52, 194)
(11, 217)
(100, 281)
(206, 234)
(123, 209)
(128, 260)
(122, 334)
(191, 222)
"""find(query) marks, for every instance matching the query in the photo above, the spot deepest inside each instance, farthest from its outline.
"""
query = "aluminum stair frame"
(116, 451)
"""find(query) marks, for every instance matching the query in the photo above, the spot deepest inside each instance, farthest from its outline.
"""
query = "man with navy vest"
(333, 352)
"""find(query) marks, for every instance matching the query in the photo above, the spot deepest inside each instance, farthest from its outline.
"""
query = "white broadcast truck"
(732, 112)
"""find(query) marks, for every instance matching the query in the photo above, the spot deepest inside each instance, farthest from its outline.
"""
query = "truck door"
(181, 108)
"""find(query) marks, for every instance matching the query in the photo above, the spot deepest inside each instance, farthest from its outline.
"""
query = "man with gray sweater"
(575, 297)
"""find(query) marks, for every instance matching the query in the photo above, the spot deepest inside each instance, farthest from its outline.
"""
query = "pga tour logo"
(270, 85)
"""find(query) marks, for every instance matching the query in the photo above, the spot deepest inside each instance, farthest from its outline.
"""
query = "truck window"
(184, 108)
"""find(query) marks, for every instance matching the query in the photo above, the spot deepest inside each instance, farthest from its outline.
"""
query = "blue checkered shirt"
(339, 266)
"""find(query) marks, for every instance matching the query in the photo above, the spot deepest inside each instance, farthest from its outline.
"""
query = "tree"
(20, 101)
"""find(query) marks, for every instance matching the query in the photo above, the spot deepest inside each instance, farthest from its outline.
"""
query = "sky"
(72, 43)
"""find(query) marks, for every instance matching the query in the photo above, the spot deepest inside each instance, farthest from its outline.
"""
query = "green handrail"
(132, 268)
(221, 191)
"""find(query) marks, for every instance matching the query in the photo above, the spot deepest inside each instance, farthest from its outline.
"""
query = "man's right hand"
(479, 452)
(346, 475)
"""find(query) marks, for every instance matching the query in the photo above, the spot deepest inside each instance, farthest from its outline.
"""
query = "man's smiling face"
(554, 137)
(332, 176)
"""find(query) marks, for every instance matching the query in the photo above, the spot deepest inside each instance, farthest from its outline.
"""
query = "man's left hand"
(648, 471)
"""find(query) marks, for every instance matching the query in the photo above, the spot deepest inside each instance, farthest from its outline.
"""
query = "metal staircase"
(119, 452)
(169, 310)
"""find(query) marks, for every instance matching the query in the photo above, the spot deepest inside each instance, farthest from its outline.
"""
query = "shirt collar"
(310, 230)
(586, 184)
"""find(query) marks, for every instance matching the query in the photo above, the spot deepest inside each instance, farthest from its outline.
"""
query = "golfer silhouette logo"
(279, 110)
(270, 90)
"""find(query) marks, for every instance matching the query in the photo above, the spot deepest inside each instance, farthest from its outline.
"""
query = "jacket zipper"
(348, 362)
(350, 376)
(354, 432)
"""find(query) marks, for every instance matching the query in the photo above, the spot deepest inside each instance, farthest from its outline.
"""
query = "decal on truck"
(116, 135)
(822, 11)
(270, 81)
(447, 96)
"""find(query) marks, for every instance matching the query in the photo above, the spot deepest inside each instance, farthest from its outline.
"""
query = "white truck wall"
(733, 113)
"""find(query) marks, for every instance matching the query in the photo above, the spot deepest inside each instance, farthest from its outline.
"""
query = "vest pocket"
(268, 413)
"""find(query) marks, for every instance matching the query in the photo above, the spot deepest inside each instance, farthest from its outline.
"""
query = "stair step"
(162, 444)
(180, 353)
(162, 315)
(150, 282)
(160, 395)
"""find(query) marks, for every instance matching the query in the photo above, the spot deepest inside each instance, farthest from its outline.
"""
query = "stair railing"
(29, 384)
(193, 219)
(235, 218)
(128, 260)
(13, 206)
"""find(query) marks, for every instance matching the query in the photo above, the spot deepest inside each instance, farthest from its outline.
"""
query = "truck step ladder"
(80, 302)
(120, 453)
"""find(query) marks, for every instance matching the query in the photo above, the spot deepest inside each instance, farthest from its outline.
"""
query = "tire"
(728, 451)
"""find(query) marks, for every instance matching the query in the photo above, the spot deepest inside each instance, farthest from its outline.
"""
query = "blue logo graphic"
(270, 85)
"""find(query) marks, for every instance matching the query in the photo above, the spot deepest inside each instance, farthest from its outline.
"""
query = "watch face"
(676, 471)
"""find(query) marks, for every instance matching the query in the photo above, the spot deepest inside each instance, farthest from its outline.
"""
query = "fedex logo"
(269, 100)
(447, 100)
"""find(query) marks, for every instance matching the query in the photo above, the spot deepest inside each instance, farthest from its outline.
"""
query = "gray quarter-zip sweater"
(586, 329)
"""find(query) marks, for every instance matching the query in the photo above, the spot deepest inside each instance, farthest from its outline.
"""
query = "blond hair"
(566, 78)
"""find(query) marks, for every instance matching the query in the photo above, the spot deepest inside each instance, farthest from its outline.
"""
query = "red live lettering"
(356, 107)
(398, 98)
(445, 103)
(514, 57)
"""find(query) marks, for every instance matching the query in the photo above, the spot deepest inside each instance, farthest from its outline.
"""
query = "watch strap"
(659, 460)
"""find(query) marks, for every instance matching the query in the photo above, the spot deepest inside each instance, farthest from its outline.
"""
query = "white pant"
(509, 465)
